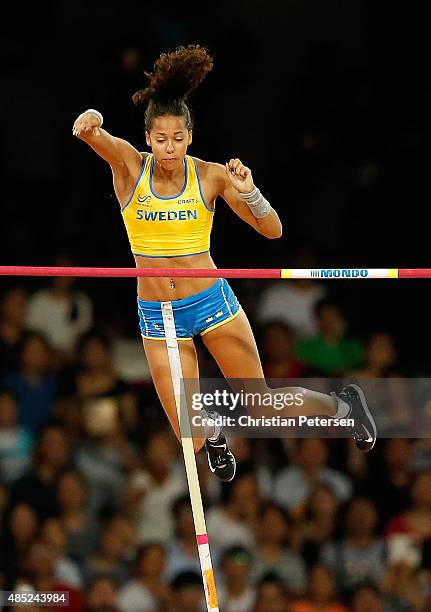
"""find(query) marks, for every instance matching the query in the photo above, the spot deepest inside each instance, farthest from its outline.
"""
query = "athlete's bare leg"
(157, 356)
(234, 348)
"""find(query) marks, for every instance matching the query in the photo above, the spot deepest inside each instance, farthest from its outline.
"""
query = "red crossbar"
(147, 272)
(414, 273)
(201, 272)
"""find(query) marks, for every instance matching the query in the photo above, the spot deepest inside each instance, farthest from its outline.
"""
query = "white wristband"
(259, 206)
(95, 112)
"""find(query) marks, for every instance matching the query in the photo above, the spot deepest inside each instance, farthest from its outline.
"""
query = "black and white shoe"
(364, 430)
(220, 459)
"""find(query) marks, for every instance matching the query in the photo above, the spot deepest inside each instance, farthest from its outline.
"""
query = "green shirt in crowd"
(345, 355)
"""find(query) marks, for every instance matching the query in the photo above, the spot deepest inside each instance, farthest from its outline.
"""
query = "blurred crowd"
(93, 495)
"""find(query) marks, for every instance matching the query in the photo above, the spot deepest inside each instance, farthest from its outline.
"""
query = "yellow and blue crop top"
(168, 227)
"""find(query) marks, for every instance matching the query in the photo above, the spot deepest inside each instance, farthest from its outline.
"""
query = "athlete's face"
(169, 139)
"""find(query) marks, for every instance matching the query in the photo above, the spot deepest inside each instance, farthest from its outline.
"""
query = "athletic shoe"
(220, 459)
(364, 430)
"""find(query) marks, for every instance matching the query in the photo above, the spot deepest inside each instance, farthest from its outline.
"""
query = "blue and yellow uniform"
(176, 227)
(168, 227)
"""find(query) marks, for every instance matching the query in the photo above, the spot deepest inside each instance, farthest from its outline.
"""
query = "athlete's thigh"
(157, 356)
(234, 348)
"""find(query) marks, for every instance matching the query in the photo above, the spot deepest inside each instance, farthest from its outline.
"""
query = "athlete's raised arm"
(117, 152)
(236, 187)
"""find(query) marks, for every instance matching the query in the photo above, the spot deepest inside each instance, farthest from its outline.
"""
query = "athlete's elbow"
(274, 233)
(270, 227)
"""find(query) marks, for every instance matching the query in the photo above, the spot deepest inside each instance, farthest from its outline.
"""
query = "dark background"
(325, 101)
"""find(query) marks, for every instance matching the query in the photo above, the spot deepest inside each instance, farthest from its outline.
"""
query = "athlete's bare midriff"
(161, 289)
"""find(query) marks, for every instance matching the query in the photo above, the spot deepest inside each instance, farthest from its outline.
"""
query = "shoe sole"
(367, 412)
(233, 475)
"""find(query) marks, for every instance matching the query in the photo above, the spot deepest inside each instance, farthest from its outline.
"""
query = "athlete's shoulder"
(144, 155)
(210, 171)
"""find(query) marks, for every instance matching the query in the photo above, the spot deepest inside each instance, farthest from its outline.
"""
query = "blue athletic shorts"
(196, 314)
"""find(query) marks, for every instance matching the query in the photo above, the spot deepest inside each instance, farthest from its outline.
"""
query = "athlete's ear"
(147, 138)
(190, 136)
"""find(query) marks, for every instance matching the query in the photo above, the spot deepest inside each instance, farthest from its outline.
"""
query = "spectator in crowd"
(274, 553)
(235, 593)
(247, 499)
(97, 377)
(40, 563)
(101, 595)
(390, 395)
(109, 558)
(331, 351)
(390, 482)
(358, 466)
(124, 527)
(80, 525)
(152, 491)
(294, 483)
(415, 522)
(69, 415)
(38, 486)
(13, 309)
(187, 593)
(59, 312)
(249, 453)
(182, 555)
(271, 596)
(234, 521)
(16, 442)
(380, 357)
(33, 384)
(148, 591)
(104, 456)
(66, 570)
(359, 556)
(367, 598)
(18, 533)
(319, 522)
(278, 352)
(406, 586)
(292, 303)
(321, 593)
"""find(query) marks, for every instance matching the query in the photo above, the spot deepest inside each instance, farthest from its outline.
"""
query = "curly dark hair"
(175, 76)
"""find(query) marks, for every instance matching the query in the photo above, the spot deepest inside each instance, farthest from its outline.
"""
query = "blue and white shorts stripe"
(196, 314)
